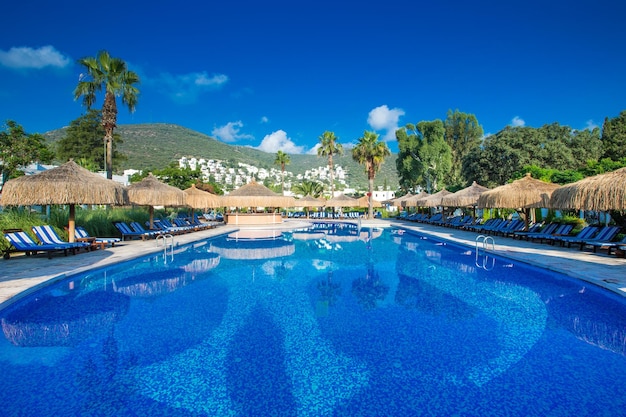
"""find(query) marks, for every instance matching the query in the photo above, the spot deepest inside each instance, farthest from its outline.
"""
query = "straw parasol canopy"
(398, 201)
(254, 194)
(525, 193)
(152, 192)
(364, 202)
(200, 199)
(433, 200)
(342, 201)
(467, 197)
(309, 201)
(68, 184)
(412, 201)
(601, 192)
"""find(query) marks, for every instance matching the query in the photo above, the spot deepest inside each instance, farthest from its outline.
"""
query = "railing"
(483, 244)
(168, 242)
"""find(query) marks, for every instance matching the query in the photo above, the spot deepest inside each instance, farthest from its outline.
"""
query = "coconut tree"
(370, 152)
(306, 187)
(112, 75)
(329, 147)
(282, 159)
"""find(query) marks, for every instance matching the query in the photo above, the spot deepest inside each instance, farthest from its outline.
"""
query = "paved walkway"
(21, 275)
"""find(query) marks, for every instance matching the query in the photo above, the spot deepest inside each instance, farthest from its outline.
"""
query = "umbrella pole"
(151, 210)
(71, 224)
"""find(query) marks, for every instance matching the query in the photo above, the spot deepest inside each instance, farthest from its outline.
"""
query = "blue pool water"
(330, 321)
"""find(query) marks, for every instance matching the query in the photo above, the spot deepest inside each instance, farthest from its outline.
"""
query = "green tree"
(431, 156)
(504, 155)
(462, 134)
(83, 140)
(282, 159)
(307, 187)
(329, 147)
(172, 175)
(614, 137)
(18, 149)
(112, 75)
(370, 152)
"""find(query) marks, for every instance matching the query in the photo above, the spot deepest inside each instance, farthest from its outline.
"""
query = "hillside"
(156, 145)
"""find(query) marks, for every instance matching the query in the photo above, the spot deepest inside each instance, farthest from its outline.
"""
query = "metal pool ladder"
(483, 244)
(168, 242)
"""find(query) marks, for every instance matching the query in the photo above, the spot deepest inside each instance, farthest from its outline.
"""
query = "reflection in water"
(519, 313)
(369, 289)
(247, 249)
(153, 285)
(64, 320)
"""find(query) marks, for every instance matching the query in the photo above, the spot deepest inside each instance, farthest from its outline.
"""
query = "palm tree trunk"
(108, 138)
(370, 204)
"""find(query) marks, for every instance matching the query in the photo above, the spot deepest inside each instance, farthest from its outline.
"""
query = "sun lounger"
(586, 233)
(137, 227)
(604, 238)
(48, 236)
(534, 228)
(22, 242)
(560, 230)
(129, 233)
(102, 242)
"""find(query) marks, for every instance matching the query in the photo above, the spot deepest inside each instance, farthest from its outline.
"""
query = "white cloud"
(517, 122)
(230, 132)
(590, 125)
(185, 88)
(278, 141)
(264, 119)
(383, 118)
(37, 58)
(313, 150)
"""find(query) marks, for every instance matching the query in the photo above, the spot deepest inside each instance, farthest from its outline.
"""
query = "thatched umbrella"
(398, 201)
(342, 201)
(601, 192)
(200, 199)
(364, 202)
(412, 201)
(524, 194)
(152, 192)
(433, 200)
(68, 184)
(254, 194)
(309, 201)
(467, 197)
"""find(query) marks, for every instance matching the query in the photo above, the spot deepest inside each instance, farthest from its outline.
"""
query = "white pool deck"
(21, 275)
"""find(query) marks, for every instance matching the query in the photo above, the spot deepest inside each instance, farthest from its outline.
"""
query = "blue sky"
(277, 74)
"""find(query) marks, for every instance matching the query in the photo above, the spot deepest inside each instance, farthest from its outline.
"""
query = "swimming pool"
(328, 321)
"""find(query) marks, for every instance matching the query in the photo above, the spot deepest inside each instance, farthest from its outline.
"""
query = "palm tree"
(306, 187)
(282, 159)
(112, 75)
(329, 147)
(370, 152)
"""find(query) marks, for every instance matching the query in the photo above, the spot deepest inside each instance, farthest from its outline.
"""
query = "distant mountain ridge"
(156, 145)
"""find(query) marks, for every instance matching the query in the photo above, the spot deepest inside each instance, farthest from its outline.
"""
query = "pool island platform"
(21, 275)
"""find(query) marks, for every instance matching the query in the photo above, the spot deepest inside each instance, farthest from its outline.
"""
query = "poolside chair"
(102, 242)
(586, 233)
(559, 230)
(129, 233)
(48, 236)
(22, 242)
(602, 239)
(137, 227)
(534, 228)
